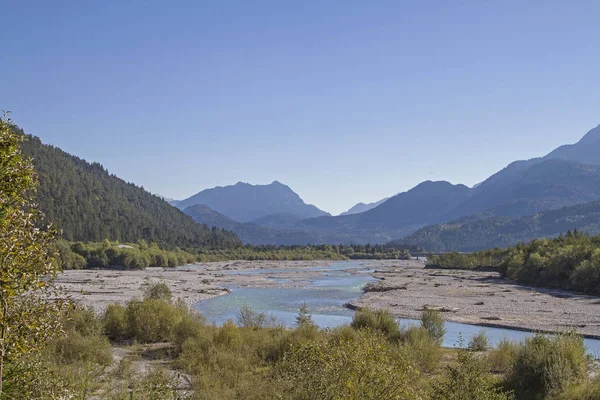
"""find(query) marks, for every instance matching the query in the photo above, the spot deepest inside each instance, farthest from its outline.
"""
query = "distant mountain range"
(362, 207)
(243, 202)
(565, 177)
(529, 198)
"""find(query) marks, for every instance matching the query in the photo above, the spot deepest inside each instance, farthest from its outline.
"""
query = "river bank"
(478, 298)
(405, 287)
(99, 287)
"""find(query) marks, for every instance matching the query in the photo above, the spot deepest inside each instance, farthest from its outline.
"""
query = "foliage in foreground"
(468, 380)
(546, 366)
(365, 367)
(255, 359)
(27, 317)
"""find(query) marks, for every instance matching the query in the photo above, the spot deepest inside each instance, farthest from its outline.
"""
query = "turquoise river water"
(325, 296)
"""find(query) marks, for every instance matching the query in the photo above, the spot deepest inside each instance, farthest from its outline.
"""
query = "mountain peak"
(244, 202)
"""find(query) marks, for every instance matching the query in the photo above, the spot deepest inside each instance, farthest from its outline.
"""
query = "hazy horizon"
(345, 102)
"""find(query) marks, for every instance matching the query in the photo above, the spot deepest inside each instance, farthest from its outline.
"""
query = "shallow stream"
(325, 295)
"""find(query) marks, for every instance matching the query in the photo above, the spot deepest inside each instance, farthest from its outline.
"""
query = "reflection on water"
(325, 296)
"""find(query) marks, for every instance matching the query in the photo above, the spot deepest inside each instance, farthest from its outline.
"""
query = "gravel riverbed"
(405, 287)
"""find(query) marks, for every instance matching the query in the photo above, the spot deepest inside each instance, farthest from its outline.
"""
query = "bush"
(152, 321)
(365, 368)
(156, 385)
(479, 342)
(502, 357)
(75, 347)
(546, 365)
(586, 277)
(192, 325)
(433, 323)
(304, 317)
(379, 320)
(84, 321)
(424, 352)
(248, 318)
(467, 381)
(158, 291)
(588, 391)
(115, 322)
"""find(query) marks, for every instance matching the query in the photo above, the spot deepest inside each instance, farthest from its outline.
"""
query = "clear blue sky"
(344, 101)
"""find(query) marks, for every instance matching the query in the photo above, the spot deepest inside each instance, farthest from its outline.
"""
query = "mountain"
(89, 204)
(398, 216)
(277, 221)
(252, 233)
(533, 186)
(243, 202)
(473, 235)
(362, 207)
(522, 188)
(586, 151)
(494, 190)
(205, 215)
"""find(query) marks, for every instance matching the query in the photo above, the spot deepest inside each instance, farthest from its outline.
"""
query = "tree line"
(570, 261)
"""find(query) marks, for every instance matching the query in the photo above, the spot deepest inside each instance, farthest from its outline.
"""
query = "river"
(325, 293)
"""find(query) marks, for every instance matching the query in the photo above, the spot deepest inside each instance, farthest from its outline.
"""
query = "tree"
(304, 318)
(28, 315)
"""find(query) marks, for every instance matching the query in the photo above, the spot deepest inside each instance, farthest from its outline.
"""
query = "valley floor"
(472, 297)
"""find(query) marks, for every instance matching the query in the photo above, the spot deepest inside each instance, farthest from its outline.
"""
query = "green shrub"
(33, 378)
(424, 352)
(290, 339)
(479, 342)
(248, 318)
(546, 365)
(157, 384)
(501, 358)
(379, 320)
(228, 335)
(304, 317)
(115, 322)
(75, 347)
(590, 390)
(467, 381)
(152, 321)
(158, 291)
(365, 368)
(192, 325)
(83, 320)
(586, 277)
(433, 323)
(345, 332)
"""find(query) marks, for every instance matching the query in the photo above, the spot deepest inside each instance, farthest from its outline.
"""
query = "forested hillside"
(89, 204)
(471, 234)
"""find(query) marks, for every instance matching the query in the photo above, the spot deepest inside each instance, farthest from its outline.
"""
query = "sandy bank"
(480, 298)
(98, 288)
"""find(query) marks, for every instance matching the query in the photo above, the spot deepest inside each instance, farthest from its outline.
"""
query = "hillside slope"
(472, 235)
(362, 207)
(252, 233)
(89, 204)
